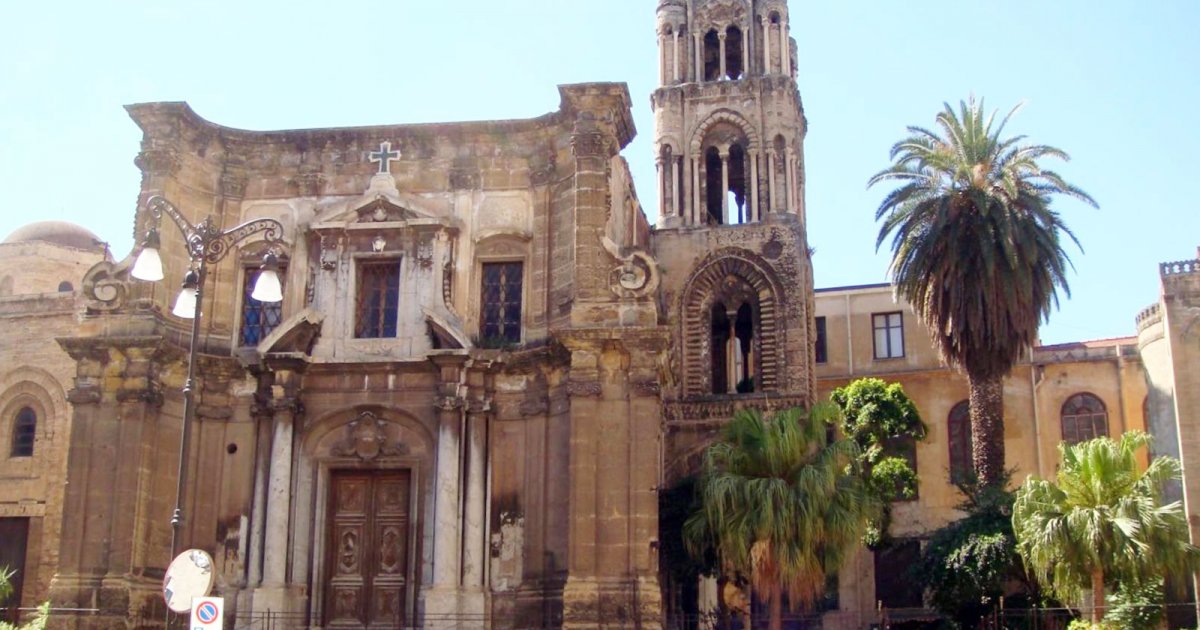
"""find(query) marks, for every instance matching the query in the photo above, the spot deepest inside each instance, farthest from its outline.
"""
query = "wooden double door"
(367, 557)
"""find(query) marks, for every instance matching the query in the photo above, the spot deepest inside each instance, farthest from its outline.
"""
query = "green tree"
(1101, 524)
(883, 421)
(969, 564)
(780, 503)
(977, 251)
(6, 591)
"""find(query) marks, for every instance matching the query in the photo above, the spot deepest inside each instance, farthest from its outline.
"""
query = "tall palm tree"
(977, 251)
(780, 503)
(1101, 523)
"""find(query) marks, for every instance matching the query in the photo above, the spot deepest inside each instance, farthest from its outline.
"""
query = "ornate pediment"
(382, 210)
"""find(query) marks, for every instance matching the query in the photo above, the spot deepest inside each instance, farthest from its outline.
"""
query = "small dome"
(58, 233)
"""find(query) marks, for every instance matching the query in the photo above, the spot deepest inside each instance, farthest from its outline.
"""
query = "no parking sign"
(208, 613)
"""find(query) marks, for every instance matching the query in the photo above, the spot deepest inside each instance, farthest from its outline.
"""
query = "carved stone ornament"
(328, 252)
(366, 438)
(637, 276)
(106, 285)
(157, 162)
(233, 184)
(381, 209)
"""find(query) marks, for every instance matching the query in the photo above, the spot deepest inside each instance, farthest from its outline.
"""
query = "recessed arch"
(730, 117)
(732, 277)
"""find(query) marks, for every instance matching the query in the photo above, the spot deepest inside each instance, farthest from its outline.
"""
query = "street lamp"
(206, 244)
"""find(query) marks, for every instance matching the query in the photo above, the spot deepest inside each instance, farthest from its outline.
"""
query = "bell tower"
(731, 242)
(728, 119)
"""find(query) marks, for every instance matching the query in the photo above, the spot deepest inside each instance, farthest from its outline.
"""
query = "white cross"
(384, 157)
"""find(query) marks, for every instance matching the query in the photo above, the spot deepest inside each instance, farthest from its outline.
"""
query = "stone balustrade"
(1179, 267)
(1148, 317)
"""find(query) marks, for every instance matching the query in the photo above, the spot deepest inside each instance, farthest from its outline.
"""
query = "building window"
(958, 430)
(258, 318)
(1084, 417)
(822, 355)
(378, 294)
(889, 335)
(24, 430)
(65, 287)
(500, 316)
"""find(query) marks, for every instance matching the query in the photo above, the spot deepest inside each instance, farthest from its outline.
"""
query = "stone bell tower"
(731, 240)
(728, 119)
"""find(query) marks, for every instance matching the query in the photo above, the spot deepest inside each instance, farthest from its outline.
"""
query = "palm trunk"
(1097, 596)
(776, 621)
(987, 427)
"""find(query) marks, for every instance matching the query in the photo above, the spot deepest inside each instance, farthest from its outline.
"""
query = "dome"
(58, 233)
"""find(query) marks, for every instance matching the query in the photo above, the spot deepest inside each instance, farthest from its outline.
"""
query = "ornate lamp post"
(206, 244)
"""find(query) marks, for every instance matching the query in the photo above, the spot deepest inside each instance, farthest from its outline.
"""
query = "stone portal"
(368, 550)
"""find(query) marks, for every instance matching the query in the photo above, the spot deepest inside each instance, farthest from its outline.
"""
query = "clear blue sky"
(1116, 84)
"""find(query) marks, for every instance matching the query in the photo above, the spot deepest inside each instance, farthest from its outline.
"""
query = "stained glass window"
(500, 320)
(258, 318)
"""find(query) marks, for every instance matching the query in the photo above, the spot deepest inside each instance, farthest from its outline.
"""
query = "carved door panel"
(367, 557)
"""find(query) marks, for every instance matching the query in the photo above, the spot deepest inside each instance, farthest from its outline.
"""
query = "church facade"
(486, 368)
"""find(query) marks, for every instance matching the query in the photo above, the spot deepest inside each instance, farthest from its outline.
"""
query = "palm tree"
(1101, 524)
(780, 503)
(976, 251)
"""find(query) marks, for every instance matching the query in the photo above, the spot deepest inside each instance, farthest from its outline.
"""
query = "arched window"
(733, 356)
(712, 56)
(727, 184)
(958, 431)
(65, 287)
(1084, 417)
(24, 430)
(733, 53)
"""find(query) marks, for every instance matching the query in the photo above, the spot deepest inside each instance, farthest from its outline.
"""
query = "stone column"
(721, 36)
(276, 593)
(675, 55)
(745, 52)
(661, 170)
(787, 180)
(766, 24)
(279, 489)
(442, 597)
(258, 510)
(446, 542)
(755, 213)
(696, 195)
(662, 59)
(785, 48)
(676, 167)
(791, 182)
(773, 204)
(699, 65)
(725, 185)
(474, 555)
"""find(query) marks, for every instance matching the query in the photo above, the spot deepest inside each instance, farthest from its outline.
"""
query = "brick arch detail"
(731, 117)
(699, 293)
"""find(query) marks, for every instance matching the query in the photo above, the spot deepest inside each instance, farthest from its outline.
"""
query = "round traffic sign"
(206, 612)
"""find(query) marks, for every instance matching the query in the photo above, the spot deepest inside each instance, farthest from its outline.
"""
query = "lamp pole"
(206, 244)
